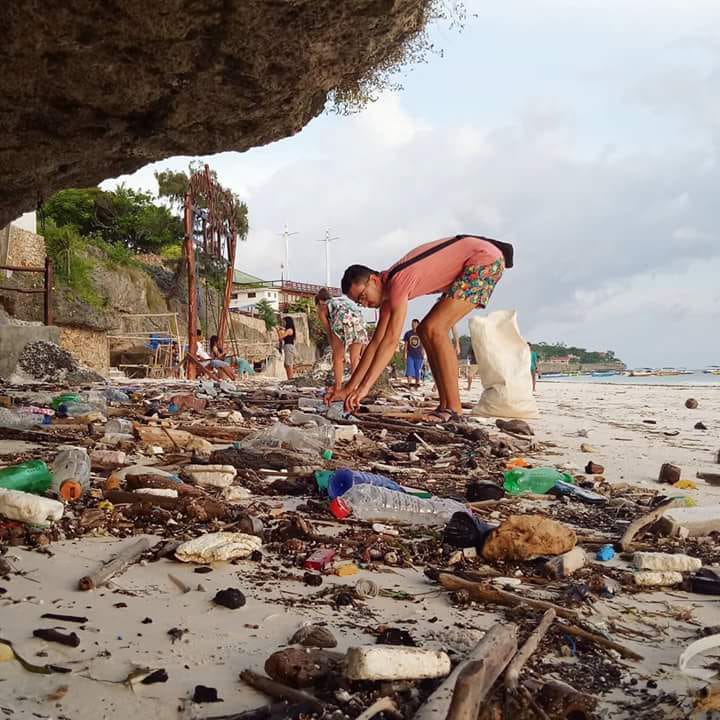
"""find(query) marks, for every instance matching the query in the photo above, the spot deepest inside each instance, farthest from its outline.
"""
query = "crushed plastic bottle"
(309, 440)
(21, 420)
(71, 472)
(373, 503)
(116, 396)
(311, 404)
(298, 417)
(93, 403)
(344, 479)
(31, 476)
(534, 480)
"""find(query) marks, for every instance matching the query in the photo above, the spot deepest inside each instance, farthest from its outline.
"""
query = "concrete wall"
(13, 340)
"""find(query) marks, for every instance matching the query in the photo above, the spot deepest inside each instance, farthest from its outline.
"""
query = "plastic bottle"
(534, 480)
(116, 396)
(373, 503)
(35, 410)
(21, 420)
(313, 404)
(32, 476)
(344, 479)
(119, 426)
(75, 406)
(71, 472)
(311, 440)
(64, 399)
(298, 417)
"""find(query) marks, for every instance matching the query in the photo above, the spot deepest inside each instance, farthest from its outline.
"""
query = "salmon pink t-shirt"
(435, 274)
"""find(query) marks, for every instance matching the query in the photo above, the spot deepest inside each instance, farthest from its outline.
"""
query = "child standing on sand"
(465, 269)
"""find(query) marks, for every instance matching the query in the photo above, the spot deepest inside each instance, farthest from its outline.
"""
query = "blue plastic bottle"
(344, 479)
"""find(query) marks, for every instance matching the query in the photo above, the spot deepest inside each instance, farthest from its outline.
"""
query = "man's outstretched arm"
(383, 354)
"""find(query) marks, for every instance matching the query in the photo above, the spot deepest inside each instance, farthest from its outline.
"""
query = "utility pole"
(285, 234)
(327, 240)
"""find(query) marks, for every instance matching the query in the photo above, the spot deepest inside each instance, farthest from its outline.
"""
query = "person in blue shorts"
(414, 355)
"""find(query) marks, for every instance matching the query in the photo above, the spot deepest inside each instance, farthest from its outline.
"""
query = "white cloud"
(611, 209)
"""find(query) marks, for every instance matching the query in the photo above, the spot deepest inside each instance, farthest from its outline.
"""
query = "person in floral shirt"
(465, 269)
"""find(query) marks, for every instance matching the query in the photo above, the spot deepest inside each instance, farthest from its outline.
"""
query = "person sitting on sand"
(465, 269)
(345, 327)
(209, 361)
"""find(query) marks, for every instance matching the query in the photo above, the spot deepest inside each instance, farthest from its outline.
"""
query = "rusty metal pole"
(229, 277)
(192, 323)
(48, 317)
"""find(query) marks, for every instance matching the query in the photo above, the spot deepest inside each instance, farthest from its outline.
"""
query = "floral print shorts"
(347, 322)
(477, 282)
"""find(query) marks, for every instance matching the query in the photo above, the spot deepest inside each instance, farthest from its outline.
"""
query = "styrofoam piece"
(657, 578)
(217, 547)
(392, 662)
(221, 476)
(666, 561)
(28, 508)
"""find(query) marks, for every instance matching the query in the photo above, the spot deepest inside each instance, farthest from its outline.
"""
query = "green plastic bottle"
(32, 476)
(65, 399)
(534, 480)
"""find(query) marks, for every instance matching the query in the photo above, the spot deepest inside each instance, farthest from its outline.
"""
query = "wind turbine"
(327, 240)
(286, 234)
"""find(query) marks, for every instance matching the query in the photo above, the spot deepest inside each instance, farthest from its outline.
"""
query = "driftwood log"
(461, 694)
(126, 557)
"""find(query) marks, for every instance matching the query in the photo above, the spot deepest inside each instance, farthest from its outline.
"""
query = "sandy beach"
(128, 621)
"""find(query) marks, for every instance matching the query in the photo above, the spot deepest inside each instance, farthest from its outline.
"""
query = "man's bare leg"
(434, 331)
(434, 369)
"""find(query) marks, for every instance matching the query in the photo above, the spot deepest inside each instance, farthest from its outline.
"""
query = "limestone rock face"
(92, 90)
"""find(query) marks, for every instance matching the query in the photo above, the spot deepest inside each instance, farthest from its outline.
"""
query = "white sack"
(503, 361)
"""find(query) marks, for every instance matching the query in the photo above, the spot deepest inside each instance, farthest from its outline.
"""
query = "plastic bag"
(503, 360)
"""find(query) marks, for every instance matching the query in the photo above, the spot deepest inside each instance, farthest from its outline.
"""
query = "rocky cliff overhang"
(91, 90)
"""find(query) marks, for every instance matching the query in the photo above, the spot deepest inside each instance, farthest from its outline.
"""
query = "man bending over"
(465, 269)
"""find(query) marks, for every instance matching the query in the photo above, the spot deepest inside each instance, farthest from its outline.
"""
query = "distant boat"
(553, 375)
(666, 372)
(712, 370)
(604, 373)
(642, 372)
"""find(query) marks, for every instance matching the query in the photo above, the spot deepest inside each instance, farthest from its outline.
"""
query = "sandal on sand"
(438, 416)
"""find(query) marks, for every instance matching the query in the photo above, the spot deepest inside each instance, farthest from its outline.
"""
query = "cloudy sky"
(585, 132)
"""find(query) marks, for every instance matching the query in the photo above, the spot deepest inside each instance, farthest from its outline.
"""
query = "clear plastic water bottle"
(71, 472)
(298, 417)
(21, 420)
(344, 479)
(372, 503)
(119, 426)
(310, 440)
(116, 396)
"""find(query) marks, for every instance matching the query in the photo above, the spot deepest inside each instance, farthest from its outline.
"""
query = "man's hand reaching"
(336, 394)
(353, 399)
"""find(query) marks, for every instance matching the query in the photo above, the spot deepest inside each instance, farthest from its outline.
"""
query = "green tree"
(265, 311)
(173, 186)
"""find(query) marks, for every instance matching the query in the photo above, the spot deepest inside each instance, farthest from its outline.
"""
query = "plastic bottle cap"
(70, 490)
(340, 509)
(327, 455)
